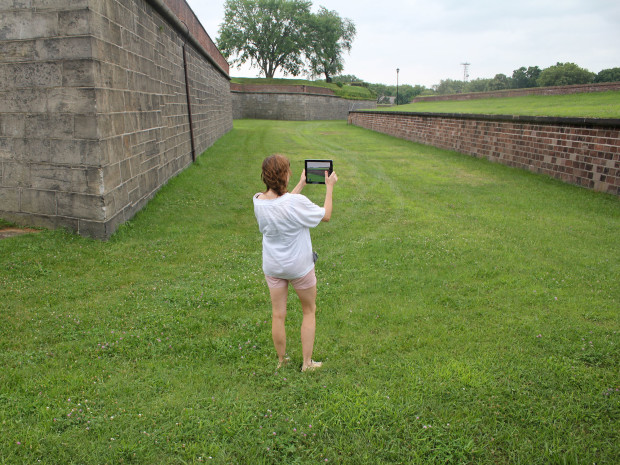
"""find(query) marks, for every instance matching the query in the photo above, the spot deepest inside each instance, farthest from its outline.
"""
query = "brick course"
(580, 151)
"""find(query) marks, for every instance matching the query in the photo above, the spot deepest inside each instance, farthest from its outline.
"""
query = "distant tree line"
(561, 74)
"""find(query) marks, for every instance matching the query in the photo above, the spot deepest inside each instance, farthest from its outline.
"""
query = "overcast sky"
(429, 40)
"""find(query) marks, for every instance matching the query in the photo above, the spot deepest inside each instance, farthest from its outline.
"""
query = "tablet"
(315, 170)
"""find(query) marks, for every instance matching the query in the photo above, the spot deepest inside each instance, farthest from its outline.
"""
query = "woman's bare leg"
(308, 324)
(278, 318)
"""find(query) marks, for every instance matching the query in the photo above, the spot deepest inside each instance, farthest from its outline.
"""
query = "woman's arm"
(300, 185)
(329, 191)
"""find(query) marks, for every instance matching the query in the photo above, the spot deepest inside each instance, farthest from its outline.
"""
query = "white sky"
(428, 40)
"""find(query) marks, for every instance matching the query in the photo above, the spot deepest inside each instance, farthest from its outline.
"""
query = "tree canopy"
(271, 34)
(330, 36)
(563, 74)
(608, 75)
(282, 34)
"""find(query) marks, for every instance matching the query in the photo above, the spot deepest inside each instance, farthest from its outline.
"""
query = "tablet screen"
(315, 170)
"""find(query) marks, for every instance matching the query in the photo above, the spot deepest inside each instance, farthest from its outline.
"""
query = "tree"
(271, 34)
(331, 35)
(449, 86)
(564, 74)
(346, 78)
(608, 75)
(406, 93)
(523, 78)
(478, 85)
(499, 82)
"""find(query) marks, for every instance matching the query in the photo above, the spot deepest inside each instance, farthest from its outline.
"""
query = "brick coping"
(595, 122)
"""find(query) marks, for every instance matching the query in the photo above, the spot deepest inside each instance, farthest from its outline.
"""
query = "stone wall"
(580, 151)
(553, 90)
(93, 108)
(292, 103)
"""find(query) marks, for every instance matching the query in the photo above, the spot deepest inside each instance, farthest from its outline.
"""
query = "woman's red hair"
(276, 171)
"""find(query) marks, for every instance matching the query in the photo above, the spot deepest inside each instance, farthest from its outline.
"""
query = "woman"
(285, 220)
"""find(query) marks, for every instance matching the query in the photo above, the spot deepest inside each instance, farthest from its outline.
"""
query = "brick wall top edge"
(595, 122)
(185, 15)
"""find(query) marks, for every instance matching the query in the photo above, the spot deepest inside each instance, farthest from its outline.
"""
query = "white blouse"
(285, 223)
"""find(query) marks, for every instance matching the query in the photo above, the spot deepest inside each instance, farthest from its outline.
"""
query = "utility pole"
(465, 71)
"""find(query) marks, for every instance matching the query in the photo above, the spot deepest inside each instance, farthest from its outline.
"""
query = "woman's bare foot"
(312, 366)
(283, 362)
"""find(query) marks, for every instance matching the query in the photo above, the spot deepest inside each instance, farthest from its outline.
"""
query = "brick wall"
(293, 104)
(554, 90)
(93, 109)
(585, 152)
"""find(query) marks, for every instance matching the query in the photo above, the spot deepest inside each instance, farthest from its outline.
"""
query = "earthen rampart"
(553, 90)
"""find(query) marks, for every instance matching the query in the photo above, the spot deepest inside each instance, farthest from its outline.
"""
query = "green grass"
(467, 313)
(585, 105)
(346, 91)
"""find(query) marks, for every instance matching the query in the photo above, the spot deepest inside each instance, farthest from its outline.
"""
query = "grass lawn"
(586, 105)
(467, 313)
(346, 91)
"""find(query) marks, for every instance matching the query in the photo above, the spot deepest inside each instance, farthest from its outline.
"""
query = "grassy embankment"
(346, 91)
(585, 105)
(467, 313)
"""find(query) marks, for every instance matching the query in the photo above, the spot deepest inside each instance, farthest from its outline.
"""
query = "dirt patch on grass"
(11, 232)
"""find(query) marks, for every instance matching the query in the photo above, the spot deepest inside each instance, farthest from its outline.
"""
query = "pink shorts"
(305, 282)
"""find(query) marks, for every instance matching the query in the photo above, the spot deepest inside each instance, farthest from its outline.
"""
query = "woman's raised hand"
(331, 179)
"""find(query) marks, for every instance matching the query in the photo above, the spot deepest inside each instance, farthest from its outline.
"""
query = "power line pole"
(465, 71)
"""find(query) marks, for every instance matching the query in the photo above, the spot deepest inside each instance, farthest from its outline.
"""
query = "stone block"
(15, 174)
(7, 148)
(59, 4)
(49, 125)
(9, 199)
(86, 127)
(38, 201)
(8, 4)
(113, 101)
(64, 48)
(111, 177)
(148, 181)
(74, 22)
(125, 168)
(82, 206)
(25, 24)
(38, 75)
(16, 51)
(33, 150)
(30, 100)
(78, 73)
(76, 152)
(72, 100)
(85, 180)
(12, 125)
